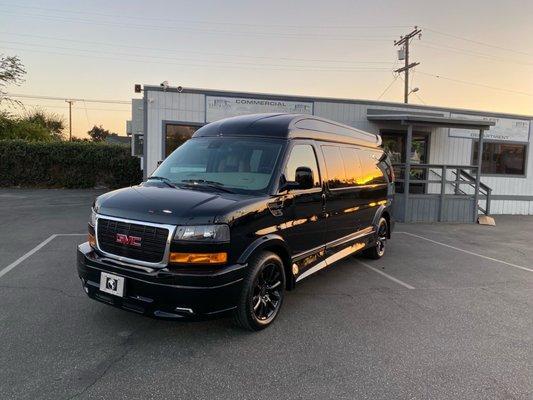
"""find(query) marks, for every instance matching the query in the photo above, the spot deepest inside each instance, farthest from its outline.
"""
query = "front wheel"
(262, 292)
(378, 250)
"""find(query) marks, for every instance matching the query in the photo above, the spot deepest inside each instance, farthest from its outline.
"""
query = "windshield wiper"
(203, 182)
(166, 181)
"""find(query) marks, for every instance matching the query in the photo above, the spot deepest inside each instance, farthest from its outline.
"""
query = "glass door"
(394, 143)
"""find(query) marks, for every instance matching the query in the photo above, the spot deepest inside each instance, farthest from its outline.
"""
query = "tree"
(54, 123)
(11, 73)
(98, 133)
(12, 127)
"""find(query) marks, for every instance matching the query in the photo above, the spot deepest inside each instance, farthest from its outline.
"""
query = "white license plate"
(112, 284)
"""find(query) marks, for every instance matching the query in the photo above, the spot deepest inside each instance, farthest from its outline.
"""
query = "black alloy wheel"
(262, 292)
(382, 233)
(267, 292)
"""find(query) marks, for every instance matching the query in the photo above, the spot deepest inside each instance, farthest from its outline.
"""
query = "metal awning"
(432, 121)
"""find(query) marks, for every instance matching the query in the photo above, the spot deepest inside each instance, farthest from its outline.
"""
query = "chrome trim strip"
(316, 268)
(184, 309)
(336, 256)
(131, 261)
(337, 242)
(310, 252)
(352, 236)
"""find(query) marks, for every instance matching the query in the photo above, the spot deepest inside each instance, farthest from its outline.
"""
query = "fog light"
(199, 258)
(92, 240)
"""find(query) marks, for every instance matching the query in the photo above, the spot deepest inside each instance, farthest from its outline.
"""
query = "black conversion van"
(236, 216)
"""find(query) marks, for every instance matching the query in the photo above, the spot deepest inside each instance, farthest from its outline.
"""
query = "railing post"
(407, 173)
(478, 173)
(442, 192)
(457, 180)
(487, 203)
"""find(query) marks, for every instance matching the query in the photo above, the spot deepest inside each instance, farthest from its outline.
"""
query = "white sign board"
(218, 107)
(505, 129)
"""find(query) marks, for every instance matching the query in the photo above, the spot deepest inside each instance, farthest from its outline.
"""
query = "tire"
(378, 250)
(262, 292)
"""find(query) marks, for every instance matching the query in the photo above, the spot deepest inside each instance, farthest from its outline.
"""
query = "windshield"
(241, 165)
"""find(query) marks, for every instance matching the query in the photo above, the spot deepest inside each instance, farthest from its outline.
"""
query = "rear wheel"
(378, 250)
(262, 292)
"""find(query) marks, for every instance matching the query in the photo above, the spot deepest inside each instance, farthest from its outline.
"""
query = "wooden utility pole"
(404, 40)
(70, 102)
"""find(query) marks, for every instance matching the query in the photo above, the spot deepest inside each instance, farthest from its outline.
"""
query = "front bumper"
(162, 293)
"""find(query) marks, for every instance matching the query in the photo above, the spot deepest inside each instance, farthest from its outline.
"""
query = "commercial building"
(442, 171)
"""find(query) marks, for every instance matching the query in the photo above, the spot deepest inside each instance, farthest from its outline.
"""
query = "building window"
(176, 134)
(502, 158)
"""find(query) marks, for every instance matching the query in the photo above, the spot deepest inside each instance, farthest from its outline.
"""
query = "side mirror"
(304, 177)
(289, 185)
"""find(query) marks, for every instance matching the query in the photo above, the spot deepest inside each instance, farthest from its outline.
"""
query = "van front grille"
(135, 241)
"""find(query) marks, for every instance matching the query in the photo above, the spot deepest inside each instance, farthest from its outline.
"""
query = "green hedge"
(67, 164)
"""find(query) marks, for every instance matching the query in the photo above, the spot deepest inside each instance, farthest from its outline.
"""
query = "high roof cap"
(288, 126)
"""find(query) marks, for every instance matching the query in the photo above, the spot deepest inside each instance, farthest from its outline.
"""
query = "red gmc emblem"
(128, 240)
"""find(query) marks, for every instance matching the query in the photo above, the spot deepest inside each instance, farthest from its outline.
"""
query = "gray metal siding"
(453, 150)
(169, 106)
(190, 107)
(426, 208)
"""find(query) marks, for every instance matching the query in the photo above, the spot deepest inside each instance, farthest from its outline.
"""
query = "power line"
(171, 58)
(476, 84)
(479, 42)
(268, 35)
(420, 98)
(388, 87)
(159, 19)
(485, 56)
(209, 65)
(415, 93)
(30, 96)
(121, 45)
(65, 108)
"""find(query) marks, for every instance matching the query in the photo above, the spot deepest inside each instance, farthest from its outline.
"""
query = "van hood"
(165, 205)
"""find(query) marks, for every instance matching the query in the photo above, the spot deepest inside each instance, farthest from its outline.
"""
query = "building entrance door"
(394, 143)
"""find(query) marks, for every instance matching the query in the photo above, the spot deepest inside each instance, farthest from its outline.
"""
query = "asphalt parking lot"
(448, 313)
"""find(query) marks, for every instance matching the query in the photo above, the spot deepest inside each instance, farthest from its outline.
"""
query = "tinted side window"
(335, 167)
(370, 174)
(302, 155)
(352, 165)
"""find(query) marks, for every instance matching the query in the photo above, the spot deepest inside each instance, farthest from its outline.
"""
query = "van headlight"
(203, 233)
(93, 218)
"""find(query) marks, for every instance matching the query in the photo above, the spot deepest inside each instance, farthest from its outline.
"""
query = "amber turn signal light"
(92, 240)
(199, 258)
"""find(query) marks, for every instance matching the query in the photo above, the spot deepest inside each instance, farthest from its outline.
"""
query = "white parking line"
(469, 252)
(392, 278)
(35, 250)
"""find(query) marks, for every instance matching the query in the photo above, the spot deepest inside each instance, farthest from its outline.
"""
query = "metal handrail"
(448, 166)
(488, 190)
(481, 184)
(462, 178)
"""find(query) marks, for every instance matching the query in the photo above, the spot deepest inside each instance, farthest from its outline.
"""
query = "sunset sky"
(481, 51)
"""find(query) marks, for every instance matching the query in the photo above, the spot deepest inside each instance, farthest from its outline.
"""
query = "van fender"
(262, 243)
(377, 216)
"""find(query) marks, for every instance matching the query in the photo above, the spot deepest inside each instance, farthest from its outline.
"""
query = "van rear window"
(351, 167)
(335, 167)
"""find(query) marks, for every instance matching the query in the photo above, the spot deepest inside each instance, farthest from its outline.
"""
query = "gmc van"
(237, 216)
